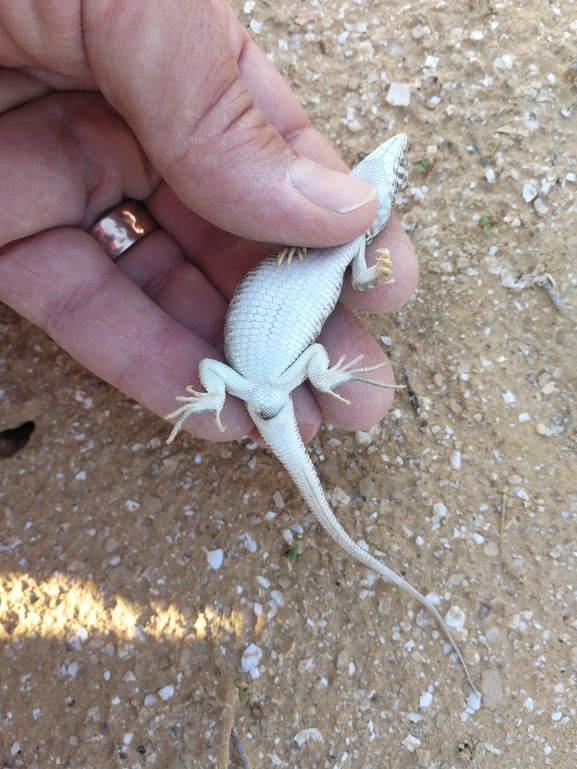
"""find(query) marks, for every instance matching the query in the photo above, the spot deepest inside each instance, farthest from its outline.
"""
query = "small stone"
(420, 30)
(399, 95)
(307, 734)
(166, 692)
(439, 511)
(150, 700)
(455, 460)
(492, 688)
(540, 207)
(363, 438)
(338, 497)
(425, 699)
(508, 397)
(250, 658)
(477, 35)
(455, 618)
(491, 549)
(529, 192)
(411, 743)
(215, 558)
(474, 701)
(542, 429)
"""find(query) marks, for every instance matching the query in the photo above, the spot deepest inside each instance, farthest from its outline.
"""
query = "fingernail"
(329, 189)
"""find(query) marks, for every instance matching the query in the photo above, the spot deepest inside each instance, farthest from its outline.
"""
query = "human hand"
(100, 102)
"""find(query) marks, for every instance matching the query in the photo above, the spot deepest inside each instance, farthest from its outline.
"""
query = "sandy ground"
(121, 646)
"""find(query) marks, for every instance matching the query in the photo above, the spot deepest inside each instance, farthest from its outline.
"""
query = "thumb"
(175, 76)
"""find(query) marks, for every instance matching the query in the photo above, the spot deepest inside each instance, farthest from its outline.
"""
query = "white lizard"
(273, 321)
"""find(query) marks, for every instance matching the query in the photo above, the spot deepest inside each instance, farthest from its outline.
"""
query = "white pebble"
(529, 192)
(150, 700)
(523, 417)
(399, 95)
(425, 699)
(490, 175)
(307, 734)
(439, 510)
(250, 658)
(529, 704)
(411, 743)
(215, 558)
(166, 692)
(540, 207)
(363, 438)
(474, 700)
(433, 598)
(431, 62)
(15, 748)
(455, 618)
(455, 460)
(477, 35)
(256, 26)
(556, 716)
(508, 397)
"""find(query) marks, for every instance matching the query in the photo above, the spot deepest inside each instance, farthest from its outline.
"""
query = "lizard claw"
(288, 252)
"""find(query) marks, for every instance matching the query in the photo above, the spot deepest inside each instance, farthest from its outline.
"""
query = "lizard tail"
(283, 438)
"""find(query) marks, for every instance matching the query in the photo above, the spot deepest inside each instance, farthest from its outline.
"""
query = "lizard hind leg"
(197, 403)
(216, 378)
(326, 378)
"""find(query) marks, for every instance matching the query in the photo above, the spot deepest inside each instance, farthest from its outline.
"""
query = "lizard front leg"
(363, 277)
